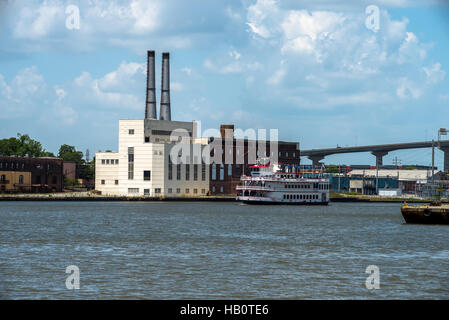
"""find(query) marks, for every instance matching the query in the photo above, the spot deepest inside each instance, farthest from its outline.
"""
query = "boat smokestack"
(165, 112)
(150, 104)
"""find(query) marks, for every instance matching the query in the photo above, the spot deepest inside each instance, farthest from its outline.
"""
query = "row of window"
(187, 171)
(37, 179)
(17, 165)
(214, 189)
(169, 190)
(300, 197)
(222, 171)
(298, 186)
(104, 182)
(3, 179)
(286, 153)
(109, 161)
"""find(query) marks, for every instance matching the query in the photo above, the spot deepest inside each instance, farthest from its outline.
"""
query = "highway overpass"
(379, 151)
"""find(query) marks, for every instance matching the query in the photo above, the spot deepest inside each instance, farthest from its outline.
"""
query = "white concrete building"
(141, 167)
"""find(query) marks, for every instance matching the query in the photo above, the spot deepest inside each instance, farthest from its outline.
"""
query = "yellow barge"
(433, 213)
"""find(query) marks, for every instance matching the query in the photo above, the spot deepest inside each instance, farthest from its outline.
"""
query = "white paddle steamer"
(273, 185)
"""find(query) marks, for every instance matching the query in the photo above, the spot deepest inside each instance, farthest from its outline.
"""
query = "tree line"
(24, 146)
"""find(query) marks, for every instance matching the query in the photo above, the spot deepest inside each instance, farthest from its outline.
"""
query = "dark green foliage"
(22, 146)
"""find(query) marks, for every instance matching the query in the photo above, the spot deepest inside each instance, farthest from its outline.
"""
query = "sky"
(324, 72)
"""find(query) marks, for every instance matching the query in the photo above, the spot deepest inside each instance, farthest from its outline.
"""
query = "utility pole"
(433, 160)
(377, 179)
(339, 174)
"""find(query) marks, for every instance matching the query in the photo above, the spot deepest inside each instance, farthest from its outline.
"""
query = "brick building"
(22, 174)
(225, 177)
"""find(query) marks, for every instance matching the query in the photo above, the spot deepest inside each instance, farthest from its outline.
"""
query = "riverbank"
(342, 197)
(92, 196)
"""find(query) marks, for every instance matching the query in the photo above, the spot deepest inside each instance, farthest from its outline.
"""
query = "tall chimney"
(165, 113)
(150, 104)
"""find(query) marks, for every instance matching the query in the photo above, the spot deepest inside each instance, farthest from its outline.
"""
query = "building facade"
(22, 174)
(235, 159)
(144, 164)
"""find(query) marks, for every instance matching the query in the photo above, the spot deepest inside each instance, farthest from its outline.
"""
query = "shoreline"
(85, 197)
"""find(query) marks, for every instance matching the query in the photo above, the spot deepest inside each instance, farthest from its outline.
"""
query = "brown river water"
(218, 250)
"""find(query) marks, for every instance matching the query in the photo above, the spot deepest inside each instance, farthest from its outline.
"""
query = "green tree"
(332, 169)
(21, 146)
(69, 153)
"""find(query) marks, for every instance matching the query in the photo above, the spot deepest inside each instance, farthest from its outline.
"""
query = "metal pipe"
(150, 104)
(165, 112)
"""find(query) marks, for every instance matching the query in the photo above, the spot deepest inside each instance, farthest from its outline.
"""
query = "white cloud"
(434, 73)
(259, 14)
(278, 76)
(408, 89)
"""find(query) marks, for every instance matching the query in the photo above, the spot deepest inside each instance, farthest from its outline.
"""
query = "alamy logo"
(73, 280)
(372, 22)
(72, 22)
(373, 280)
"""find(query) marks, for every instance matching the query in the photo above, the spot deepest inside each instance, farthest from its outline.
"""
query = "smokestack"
(150, 104)
(165, 113)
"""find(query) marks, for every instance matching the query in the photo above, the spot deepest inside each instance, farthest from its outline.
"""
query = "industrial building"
(146, 163)
(24, 174)
(225, 176)
(364, 180)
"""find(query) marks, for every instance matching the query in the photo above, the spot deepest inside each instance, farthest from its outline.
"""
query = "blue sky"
(311, 69)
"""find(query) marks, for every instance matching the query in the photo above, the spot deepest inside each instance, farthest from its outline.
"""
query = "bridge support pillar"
(446, 158)
(316, 160)
(379, 157)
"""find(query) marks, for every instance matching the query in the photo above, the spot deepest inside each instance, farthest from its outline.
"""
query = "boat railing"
(243, 187)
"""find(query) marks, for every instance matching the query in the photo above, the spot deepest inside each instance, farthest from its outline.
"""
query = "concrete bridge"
(379, 151)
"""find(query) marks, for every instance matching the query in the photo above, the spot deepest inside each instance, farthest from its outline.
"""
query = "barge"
(433, 213)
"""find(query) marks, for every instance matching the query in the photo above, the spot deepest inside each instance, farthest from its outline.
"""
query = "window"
(157, 190)
(130, 163)
(195, 172)
(170, 190)
(131, 131)
(221, 171)
(133, 190)
(3, 178)
(107, 161)
(147, 175)
(21, 179)
(221, 189)
(203, 190)
(187, 172)
(203, 171)
(103, 182)
(178, 172)
(116, 182)
(116, 161)
(178, 190)
(229, 169)
(170, 169)
(146, 192)
(147, 139)
(103, 161)
(187, 190)
(214, 171)
(213, 189)
(195, 191)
